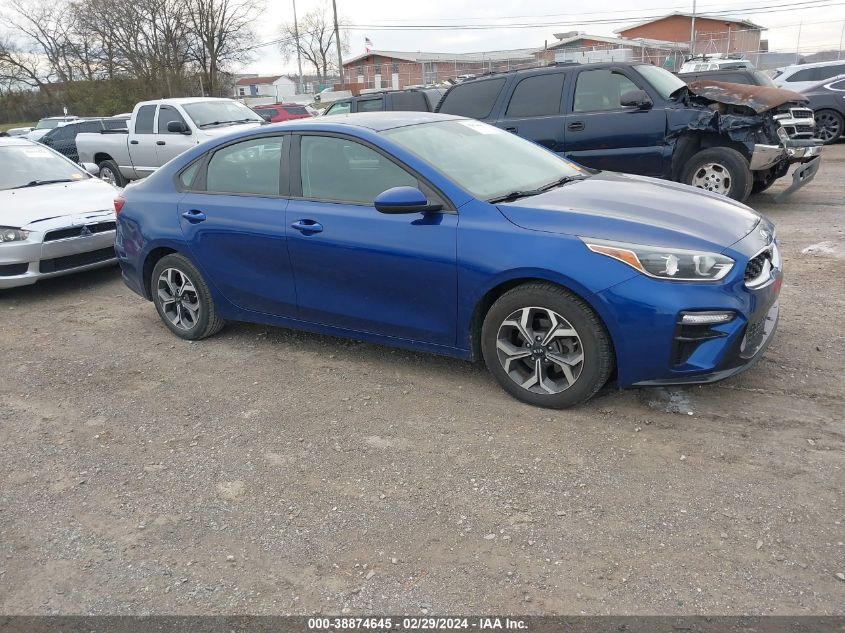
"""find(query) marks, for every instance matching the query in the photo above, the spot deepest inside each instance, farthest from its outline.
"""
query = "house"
(400, 69)
(276, 86)
(712, 35)
(576, 46)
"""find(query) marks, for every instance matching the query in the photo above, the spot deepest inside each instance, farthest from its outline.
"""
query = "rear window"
(295, 110)
(410, 102)
(473, 99)
(265, 112)
(115, 124)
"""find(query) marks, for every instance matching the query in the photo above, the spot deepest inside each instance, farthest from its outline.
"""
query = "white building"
(276, 87)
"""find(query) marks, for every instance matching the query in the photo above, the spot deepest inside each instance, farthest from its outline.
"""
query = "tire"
(829, 126)
(182, 299)
(110, 172)
(514, 364)
(719, 169)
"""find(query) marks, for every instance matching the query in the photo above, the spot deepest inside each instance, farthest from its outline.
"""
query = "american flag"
(368, 44)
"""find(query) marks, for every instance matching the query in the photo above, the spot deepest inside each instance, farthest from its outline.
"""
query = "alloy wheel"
(178, 298)
(107, 175)
(828, 127)
(540, 350)
(712, 177)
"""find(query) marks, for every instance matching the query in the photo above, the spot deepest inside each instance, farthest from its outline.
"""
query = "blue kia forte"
(447, 235)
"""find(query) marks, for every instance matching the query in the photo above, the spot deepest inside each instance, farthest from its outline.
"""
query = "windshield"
(47, 124)
(208, 113)
(484, 160)
(661, 79)
(29, 165)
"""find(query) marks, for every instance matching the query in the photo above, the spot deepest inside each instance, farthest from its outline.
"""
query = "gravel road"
(267, 471)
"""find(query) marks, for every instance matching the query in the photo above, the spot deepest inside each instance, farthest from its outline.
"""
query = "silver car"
(55, 217)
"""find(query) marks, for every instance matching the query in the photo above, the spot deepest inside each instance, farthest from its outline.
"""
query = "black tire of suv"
(731, 160)
(599, 357)
(209, 322)
(112, 167)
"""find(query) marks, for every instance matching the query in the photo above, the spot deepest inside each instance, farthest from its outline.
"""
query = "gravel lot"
(267, 471)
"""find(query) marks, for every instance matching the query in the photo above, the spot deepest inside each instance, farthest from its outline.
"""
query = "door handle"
(133, 142)
(512, 130)
(193, 216)
(160, 143)
(576, 126)
(307, 227)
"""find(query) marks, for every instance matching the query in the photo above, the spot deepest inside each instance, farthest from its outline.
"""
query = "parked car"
(412, 99)
(19, 131)
(46, 124)
(642, 119)
(713, 62)
(159, 131)
(827, 99)
(558, 276)
(55, 218)
(63, 139)
(801, 76)
(277, 112)
(798, 122)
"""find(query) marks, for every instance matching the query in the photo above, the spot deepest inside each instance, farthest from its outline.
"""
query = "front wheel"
(829, 126)
(721, 170)
(546, 347)
(182, 299)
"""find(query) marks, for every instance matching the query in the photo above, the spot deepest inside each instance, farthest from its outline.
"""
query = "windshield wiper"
(215, 123)
(38, 183)
(525, 193)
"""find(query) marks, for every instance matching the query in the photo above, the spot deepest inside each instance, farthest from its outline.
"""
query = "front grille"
(10, 270)
(73, 261)
(756, 265)
(80, 231)
(801, 113)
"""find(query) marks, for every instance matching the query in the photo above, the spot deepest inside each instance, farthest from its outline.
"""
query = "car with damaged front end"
(641, 119)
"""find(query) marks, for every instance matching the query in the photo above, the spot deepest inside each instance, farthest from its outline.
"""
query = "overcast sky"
(821, 23)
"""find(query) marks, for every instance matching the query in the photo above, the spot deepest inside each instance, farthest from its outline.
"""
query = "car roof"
(812, 65)
(555, 67)
(375, 121)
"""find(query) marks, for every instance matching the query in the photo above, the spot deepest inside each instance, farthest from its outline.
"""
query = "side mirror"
(404, 200)
(178, 127)
(91, 168)
(636, 99)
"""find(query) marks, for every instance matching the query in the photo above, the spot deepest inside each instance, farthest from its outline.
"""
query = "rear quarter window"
(473, 99)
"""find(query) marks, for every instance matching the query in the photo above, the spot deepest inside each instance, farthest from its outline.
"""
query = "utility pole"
(337, 42)
(798, 41)
(298, 51)
(692, 32)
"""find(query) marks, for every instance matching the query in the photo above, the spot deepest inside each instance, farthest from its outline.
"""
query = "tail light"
(118, 205)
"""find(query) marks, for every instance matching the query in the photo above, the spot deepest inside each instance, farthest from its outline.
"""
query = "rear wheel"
(182, 299)
(829, 126)
(545, 346)
(721, 170)
(110, 172)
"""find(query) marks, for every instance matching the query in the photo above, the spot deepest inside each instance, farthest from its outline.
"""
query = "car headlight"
(8, 234)
(673, 264)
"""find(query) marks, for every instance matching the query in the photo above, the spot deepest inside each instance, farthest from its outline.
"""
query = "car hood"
(758, 98)
(636, 209)
(48, 206)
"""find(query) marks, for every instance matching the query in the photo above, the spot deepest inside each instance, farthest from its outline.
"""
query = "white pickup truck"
(158, 131)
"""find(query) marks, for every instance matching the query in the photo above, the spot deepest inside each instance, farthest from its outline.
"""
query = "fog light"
(706, 318)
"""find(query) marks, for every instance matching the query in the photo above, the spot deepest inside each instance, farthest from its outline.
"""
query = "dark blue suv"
(641, 119)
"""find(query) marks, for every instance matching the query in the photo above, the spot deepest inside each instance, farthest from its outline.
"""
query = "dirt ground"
(268, 471)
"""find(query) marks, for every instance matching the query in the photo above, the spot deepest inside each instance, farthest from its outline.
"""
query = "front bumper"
(24, 263)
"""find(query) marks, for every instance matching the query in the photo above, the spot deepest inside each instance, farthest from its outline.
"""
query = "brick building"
(576, 46)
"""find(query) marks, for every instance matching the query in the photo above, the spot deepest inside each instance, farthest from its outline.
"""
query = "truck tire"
(110, 172)
(721, 170)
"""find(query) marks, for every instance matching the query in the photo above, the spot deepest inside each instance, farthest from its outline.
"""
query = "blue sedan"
(447, 235)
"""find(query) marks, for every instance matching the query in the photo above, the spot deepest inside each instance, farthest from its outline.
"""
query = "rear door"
(170, 144)
(535, 112)
(602, 133)
(142, 142)
(233, 218)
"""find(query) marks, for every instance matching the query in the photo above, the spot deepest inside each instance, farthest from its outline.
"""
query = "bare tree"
(219, 29)
(316, 39)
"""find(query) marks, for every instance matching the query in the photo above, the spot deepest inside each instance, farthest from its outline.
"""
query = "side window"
(88, 126)
(537, 96)
(144, 119)
(187, 176)
(826, 72)
(166, 114)
(474, 99)
(410, 101)
(64, 133)
(249, 167)
(339, 169)
(371, 105)
(597, 90)
(340, 108)
(806, 74)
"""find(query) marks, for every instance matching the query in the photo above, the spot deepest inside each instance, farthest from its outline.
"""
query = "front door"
(363, 270)
(170, 144)
(602, 133)
(234, 222)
